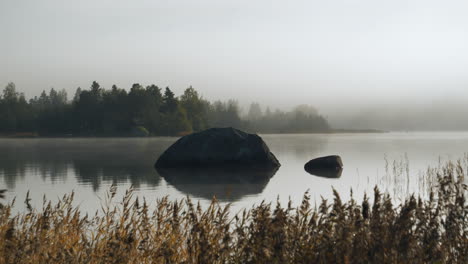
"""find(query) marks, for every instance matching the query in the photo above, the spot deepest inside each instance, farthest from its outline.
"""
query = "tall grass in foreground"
(433, 230)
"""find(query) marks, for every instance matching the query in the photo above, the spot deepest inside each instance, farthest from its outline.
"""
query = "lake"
(395, 162)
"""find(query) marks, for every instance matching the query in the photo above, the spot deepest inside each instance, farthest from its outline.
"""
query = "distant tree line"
(302, 119)
(140, 111)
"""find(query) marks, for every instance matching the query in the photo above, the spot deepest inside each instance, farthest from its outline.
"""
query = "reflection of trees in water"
(92, 161)
(11, 170)
(115, 171)
(227, 183)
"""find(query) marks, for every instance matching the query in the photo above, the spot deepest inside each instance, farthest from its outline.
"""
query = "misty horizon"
(390, 66)
(208, 131)
(435, 115)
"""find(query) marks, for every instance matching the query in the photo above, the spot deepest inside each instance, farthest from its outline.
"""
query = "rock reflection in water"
(226, 184)
(326, 173)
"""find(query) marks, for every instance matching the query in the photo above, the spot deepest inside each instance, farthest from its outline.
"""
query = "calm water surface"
(53, 167)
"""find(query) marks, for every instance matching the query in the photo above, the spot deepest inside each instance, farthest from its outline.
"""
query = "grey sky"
(362, 52)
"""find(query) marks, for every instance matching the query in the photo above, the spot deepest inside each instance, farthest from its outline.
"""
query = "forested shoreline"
(141, 111)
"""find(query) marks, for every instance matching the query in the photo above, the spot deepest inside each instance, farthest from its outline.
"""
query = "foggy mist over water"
(397, 65)
(450, 115)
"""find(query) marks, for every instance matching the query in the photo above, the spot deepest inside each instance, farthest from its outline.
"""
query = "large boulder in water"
(218, 147)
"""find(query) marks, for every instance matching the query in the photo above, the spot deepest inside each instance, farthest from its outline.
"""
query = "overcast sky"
(325, 53)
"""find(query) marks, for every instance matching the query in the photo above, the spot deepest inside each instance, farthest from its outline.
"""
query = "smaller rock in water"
(329, 166)
(326, 162)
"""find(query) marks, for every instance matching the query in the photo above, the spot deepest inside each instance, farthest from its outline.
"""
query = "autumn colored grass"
(432, 230)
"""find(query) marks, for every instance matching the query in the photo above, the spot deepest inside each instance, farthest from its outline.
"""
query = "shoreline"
(333, 131)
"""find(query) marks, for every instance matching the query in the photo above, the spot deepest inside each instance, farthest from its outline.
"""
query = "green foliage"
(96, 112)
(116, 112)
(196, 109)
(15, 113)
(140, 131)
(52, 112)
(432, 230)
(225, 114)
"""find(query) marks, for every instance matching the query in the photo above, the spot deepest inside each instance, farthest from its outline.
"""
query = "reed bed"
(374, 230)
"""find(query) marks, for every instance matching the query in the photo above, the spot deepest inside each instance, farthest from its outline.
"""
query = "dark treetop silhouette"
(140, 111)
